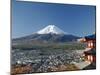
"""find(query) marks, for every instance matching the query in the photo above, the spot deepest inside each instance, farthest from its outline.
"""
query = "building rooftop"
(92, 51)
(93, 36)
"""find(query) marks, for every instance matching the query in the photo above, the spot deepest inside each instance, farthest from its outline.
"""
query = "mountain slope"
(46, 38)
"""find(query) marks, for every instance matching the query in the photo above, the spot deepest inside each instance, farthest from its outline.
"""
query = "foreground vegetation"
(68, 46)
(28, 69)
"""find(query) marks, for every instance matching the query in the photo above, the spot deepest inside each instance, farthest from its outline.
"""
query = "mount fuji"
(51, 29)
(49, 34)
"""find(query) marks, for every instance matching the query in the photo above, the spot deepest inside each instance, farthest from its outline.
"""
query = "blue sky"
(29, 17)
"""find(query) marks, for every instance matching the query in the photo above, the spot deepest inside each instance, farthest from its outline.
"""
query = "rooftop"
(93, 36)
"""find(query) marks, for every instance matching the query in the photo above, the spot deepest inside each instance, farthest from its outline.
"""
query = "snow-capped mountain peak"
(51, 29)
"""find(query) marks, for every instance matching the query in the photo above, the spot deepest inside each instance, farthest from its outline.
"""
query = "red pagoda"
(90, 54)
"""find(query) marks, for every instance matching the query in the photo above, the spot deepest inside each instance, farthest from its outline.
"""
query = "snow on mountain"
(51, 29)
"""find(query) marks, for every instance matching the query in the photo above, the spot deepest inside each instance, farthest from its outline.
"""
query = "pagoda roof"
(91, 52)
(91, 37)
